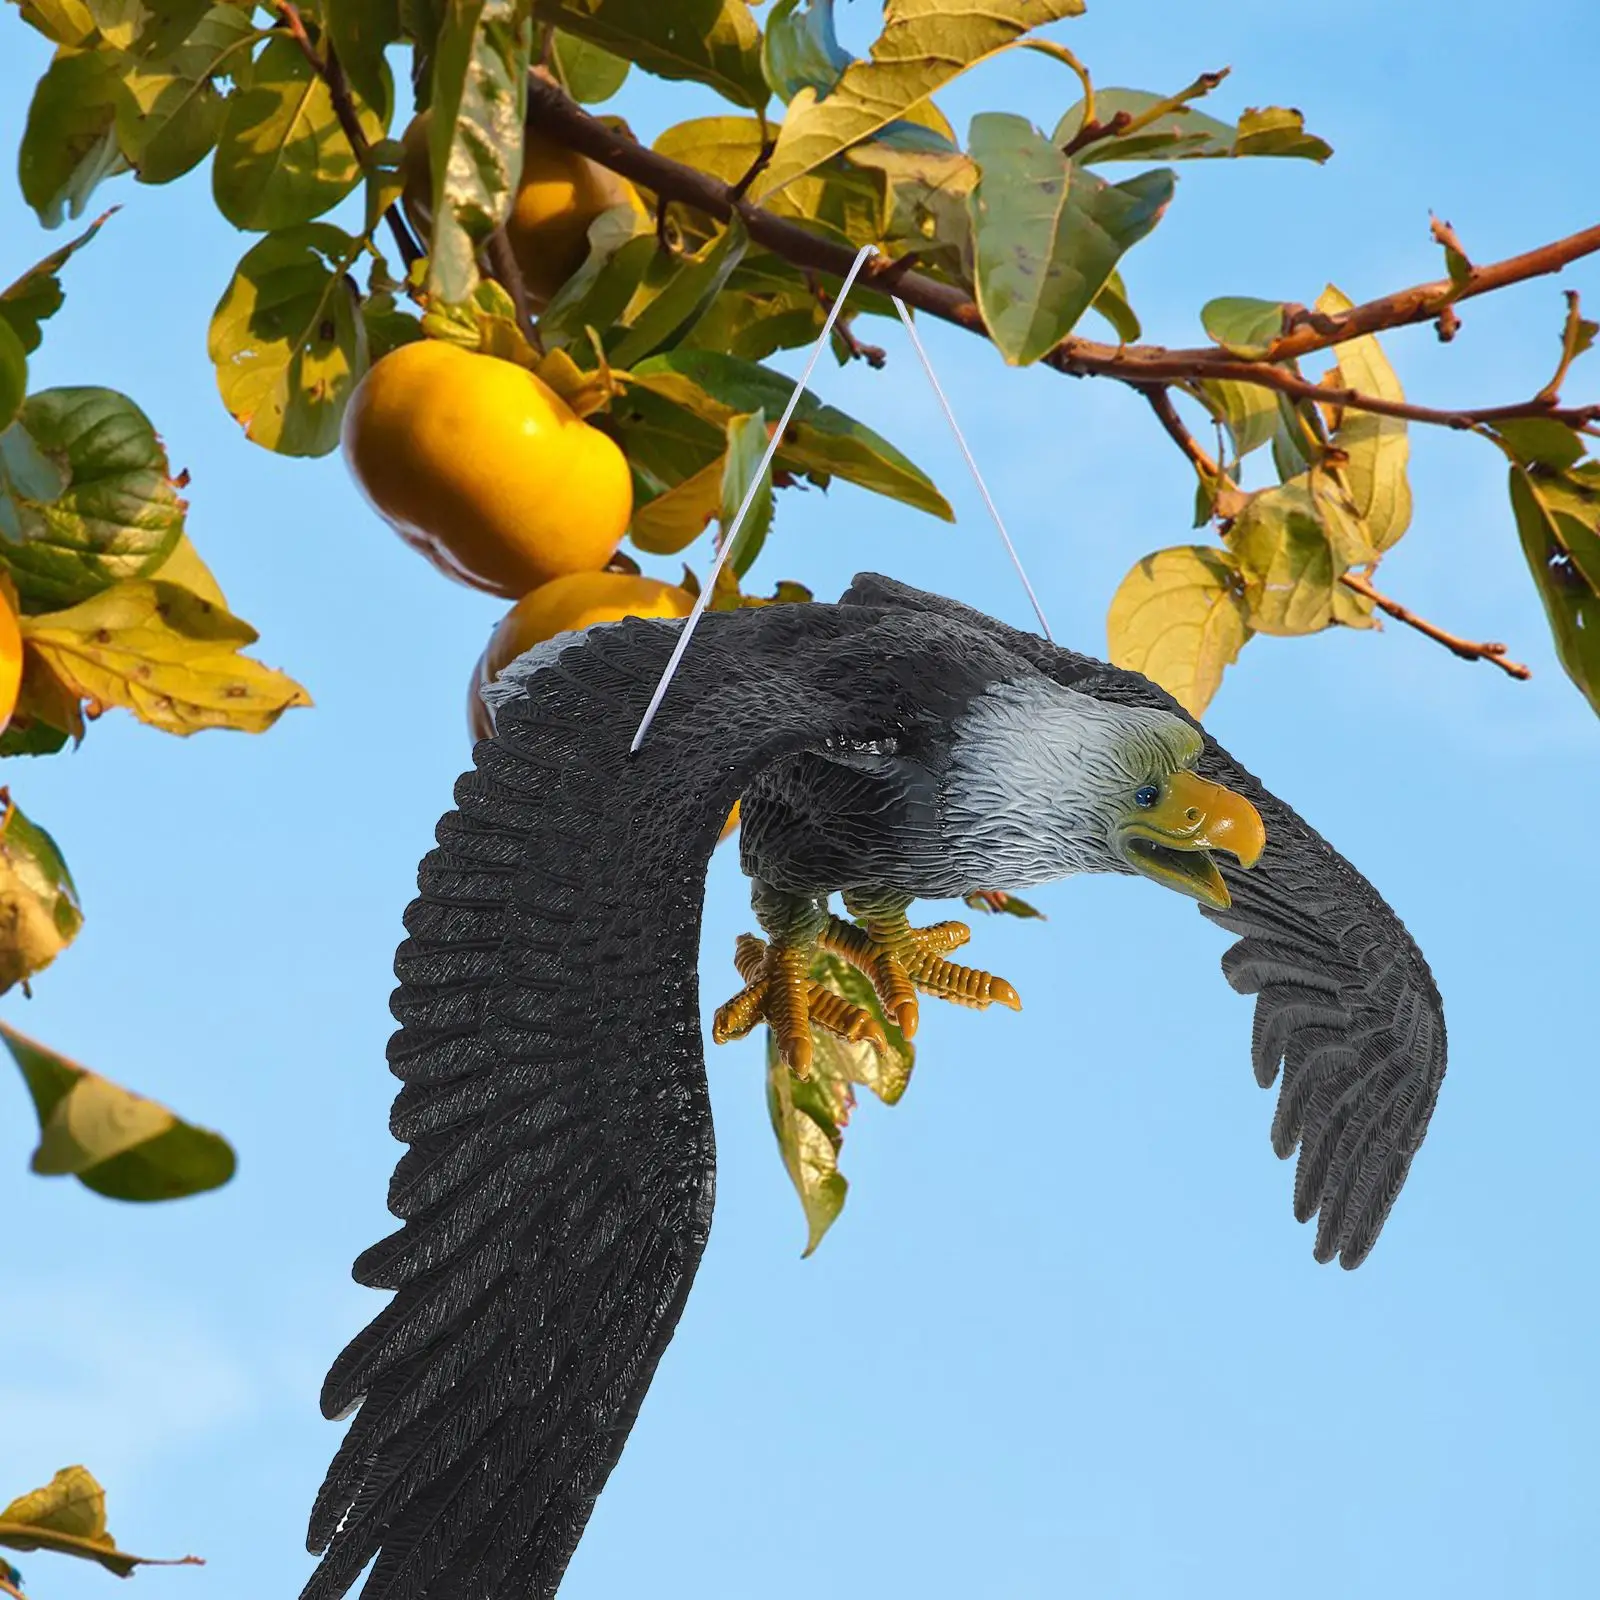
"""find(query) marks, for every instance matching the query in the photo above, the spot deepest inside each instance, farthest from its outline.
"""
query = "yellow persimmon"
(565, 605)
(10, 657)
(484, 468)
(559, 195)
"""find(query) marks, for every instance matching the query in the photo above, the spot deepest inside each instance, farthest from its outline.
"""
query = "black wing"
(1344, 1000)
(557, 1191)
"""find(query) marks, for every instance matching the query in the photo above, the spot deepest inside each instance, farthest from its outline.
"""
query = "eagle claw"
(899, 960)
(779, 990)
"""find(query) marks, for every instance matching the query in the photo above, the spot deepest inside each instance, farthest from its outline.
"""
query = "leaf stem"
(503, 266)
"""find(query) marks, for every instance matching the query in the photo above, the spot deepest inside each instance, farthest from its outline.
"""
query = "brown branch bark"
(344, 109)
(1467, 649)
(553, 113)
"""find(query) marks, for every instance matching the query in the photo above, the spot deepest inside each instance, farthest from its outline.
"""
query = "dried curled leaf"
(68, 1516)
(39, 910)
(166, 654)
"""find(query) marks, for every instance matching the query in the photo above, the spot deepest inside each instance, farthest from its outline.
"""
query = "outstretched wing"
(557, 1191)
(1344, 1000)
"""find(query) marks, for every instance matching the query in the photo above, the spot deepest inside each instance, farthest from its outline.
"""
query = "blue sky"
(1067, 1339)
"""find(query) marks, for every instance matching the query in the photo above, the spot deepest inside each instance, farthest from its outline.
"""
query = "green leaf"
(590, 74)
(282, 157)
(1376, 447)
(1180, 133)
(675, 292)
(672, 520)
(821, 440)
(1049, 233)
(1293, 543)
(622, 248)
(13, 374)
(1537, 441)
(64, 21)
(800, 49)
(480, 94)
(715, 42)
(113, 1141)
(360, 31)
(37, 295)
(1180, 618)
(135, 28)
(753, 323)
(288, 341)
(1296, 442)
(39, 909)
(924, 44)
(86, 496)
(68, 1517)
(170, 112)
(70, 142)
(1248, 411)
(747, 441)
(167, 655)
(1278, 131)
(1243, 327)
(388, 325)
(1562, 549)
(924, 199)
(1112, 304)
(809, 1115)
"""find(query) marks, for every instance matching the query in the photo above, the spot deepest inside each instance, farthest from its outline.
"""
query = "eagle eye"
(1146, 795)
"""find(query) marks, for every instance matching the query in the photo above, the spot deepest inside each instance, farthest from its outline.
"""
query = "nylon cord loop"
(730, 539)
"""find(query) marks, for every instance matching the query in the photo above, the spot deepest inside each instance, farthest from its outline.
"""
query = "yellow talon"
(779, 991)
(899, 960)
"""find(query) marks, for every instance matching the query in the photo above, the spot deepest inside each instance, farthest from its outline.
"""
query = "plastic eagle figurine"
(556, 1195)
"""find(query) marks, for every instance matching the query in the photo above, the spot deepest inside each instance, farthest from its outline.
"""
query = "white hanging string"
(977, 477)
(703, 599)
(730, 538)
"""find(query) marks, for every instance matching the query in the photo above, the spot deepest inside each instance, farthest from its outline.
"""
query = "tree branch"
(1160, 400)
(553, 113)
(344, 109)
(1465, 648)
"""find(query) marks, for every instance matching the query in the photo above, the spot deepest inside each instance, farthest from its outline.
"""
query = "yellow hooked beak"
(1168, 840)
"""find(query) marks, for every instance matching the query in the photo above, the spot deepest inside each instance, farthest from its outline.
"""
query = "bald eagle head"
(1047, 781)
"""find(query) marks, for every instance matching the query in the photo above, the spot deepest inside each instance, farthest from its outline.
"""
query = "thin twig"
(503, 267)
(874, 355)
(332, 74)
(1467, 649)
(555, 114)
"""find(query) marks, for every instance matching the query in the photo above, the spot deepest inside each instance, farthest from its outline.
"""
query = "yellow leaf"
(674, 520)
(924, 44)
(185, 568)
(1376, 447)
(1179, 618)
(68, 1516)
(167, 655)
